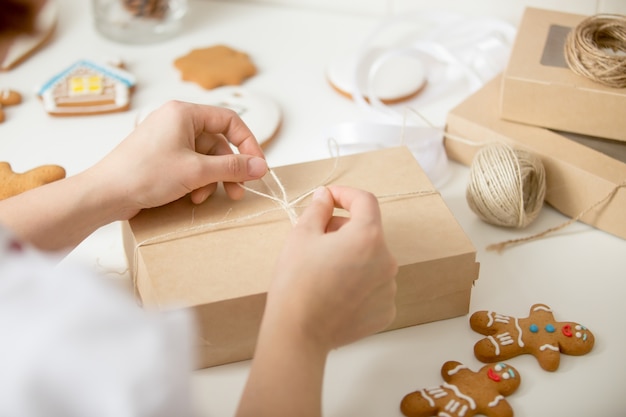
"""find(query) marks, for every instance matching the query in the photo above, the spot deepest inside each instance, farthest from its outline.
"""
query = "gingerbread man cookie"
(538, 334)
(8, 98)
(215, 66)
(465, 393)
(12, 183)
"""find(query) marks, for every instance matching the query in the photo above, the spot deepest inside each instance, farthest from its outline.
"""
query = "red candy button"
(492, 375)
(567, 330)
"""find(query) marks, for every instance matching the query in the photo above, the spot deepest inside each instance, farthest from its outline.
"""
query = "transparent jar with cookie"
(139, 21)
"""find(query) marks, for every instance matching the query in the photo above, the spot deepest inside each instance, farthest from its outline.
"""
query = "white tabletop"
(579, 271)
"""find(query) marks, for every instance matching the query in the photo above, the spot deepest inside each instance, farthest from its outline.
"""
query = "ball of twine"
(596, 49)
(507, 186)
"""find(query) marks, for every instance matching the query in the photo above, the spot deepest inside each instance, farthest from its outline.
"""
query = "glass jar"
(139, 21)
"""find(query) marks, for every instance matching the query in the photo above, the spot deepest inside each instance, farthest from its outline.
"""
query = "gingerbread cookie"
(88, 87)
(12, 183)
(8, 98)
(215, 66)
(539, 334)
(465, 393)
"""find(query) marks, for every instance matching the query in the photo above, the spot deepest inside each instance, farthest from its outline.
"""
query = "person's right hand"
(336, 277)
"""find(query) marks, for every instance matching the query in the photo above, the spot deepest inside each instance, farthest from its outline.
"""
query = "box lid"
(540, 89)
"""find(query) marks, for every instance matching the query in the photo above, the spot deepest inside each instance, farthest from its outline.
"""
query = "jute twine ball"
(507, 186)
(596, 49)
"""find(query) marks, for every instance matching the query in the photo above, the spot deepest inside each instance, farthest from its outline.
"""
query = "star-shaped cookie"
(215, 66)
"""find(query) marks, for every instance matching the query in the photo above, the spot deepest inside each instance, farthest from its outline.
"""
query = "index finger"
(214, 119)
(362, 205)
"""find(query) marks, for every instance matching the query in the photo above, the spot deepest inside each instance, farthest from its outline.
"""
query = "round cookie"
(397, 78)
(259, 112)
(465, 393)
(215, 66)
(539, 334)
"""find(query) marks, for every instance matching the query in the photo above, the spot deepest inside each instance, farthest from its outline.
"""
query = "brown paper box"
(223, 271)
(577, 175)
(540, 89)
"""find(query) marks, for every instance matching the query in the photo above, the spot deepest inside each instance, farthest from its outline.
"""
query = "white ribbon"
(455, 50)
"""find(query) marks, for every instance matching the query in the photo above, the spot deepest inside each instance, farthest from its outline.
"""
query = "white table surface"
(579, 271)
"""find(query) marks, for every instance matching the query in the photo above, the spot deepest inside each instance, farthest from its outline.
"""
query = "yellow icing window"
(91, 84)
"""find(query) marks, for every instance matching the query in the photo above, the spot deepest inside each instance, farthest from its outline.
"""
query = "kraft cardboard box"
(580, 171)
(218, 257)
(538, 88)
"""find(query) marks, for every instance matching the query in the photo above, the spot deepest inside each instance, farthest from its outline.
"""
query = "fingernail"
(257, 167)
(320, 192)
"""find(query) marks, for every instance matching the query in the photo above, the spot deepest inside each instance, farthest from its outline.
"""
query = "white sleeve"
(73, 345)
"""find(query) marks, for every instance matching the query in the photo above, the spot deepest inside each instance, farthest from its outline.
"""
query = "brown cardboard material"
(577, 176)
(224, 271)
(540, 89)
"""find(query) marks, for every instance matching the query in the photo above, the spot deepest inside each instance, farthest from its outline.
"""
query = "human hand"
(336, 276)
(178, 149)
(334, 284)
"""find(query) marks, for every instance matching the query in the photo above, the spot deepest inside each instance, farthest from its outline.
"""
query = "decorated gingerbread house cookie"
(86, 88)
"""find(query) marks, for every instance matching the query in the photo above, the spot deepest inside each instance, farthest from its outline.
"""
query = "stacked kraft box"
(575, 125)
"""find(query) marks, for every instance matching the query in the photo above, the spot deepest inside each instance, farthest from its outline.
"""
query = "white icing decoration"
(430, 400)
(122, 95)
(548, 346)
(459, 394)
(578, 327)
(496, 401)
(452, 405)
(505, 338)
(544, 308)
(463, 410)
(495, 344)
(506, 375)
(520, 342)
(498, 368)
(502, 319)
(456, 369)
(437, 392)
(443, 414)
(490, 315)
(578, 334)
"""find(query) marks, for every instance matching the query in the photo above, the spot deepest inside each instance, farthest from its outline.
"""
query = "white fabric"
(74, 345)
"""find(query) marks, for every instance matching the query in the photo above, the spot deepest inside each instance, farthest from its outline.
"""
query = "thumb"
(318, 214)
